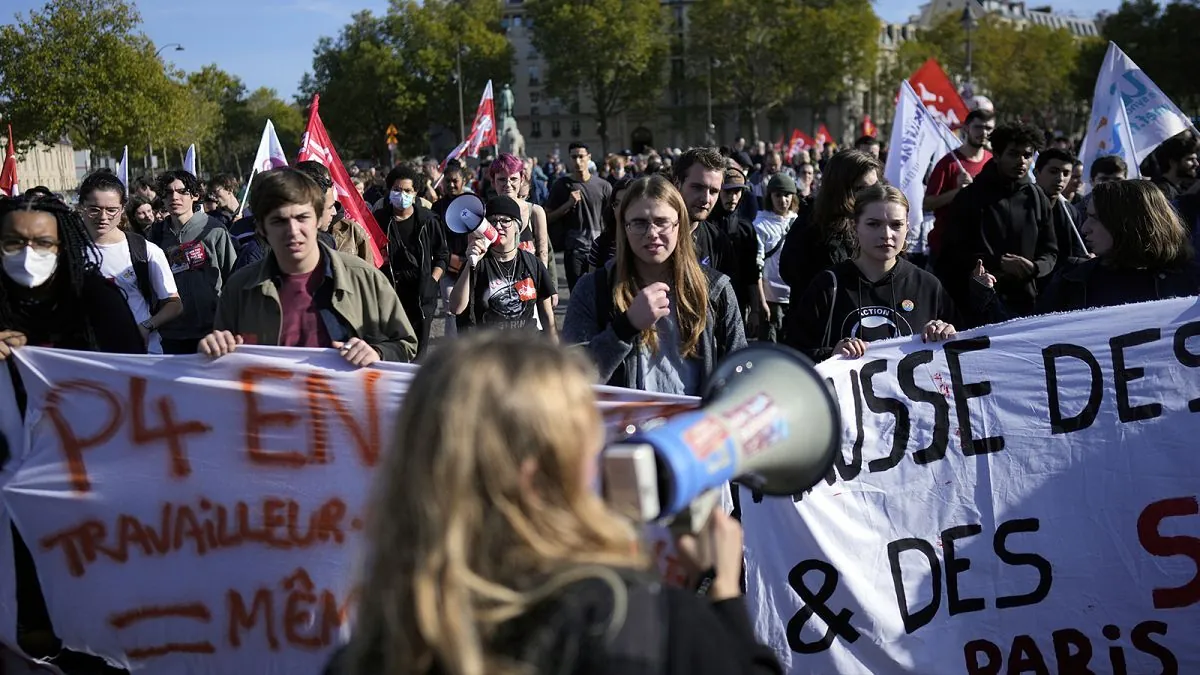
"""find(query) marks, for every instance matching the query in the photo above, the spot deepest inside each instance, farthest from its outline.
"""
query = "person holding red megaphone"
(503, 286)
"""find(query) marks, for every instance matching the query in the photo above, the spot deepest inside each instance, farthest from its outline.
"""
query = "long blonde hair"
(689, 283)
(480, 509)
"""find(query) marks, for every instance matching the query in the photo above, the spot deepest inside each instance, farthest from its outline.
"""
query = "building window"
(534, 111)
(535, 97)
(555, 129)
(535, 78)
(575, 128)
(573, 107)
(535, 129)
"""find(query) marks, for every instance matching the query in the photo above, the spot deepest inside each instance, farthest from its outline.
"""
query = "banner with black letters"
(1022, 499)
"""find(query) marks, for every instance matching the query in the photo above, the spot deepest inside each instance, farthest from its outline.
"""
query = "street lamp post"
(968, 24)
(150, 145)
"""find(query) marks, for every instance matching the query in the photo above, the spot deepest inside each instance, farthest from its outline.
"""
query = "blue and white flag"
(918, 140)
(1130, 117)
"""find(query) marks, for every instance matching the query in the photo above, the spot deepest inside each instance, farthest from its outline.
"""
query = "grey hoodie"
(200, 271)
(614, 348)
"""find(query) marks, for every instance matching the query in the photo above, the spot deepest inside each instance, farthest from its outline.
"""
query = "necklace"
(510, 273)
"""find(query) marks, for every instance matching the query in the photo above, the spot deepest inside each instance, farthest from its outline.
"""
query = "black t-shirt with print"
(505, 294)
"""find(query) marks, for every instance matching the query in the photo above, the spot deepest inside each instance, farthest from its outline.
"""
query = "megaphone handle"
(474, 259)
(693, 519)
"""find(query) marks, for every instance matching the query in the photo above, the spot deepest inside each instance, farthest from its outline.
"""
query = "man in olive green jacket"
(305, 294)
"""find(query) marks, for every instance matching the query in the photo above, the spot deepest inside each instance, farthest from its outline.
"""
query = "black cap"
(503, 206)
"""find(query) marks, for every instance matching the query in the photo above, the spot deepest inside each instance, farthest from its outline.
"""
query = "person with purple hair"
(507, 172)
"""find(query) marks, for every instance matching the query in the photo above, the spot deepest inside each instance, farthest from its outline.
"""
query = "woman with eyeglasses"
(654, 319)
(504, 286)
(136, 266)
(52, 293)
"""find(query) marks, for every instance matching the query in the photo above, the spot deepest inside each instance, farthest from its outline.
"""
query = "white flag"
(123, 168)
(189, 160)
(270, 152)
(918, 140)
(269, 156)
(1131, 116)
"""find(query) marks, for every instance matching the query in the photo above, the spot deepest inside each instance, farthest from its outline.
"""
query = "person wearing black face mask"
(417, 254)
(51, 291)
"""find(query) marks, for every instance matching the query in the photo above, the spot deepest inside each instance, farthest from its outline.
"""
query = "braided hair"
(77, 257)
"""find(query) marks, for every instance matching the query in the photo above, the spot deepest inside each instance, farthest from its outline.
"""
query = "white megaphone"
(768, 421)
(465, 215)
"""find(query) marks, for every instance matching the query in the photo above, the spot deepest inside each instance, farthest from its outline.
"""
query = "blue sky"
(269, 42)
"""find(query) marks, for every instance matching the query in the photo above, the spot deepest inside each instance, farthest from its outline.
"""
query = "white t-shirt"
(117, 264)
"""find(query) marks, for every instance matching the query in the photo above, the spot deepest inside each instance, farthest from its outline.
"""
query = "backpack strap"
(140, 257)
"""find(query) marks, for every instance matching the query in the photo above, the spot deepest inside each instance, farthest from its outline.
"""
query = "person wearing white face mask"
(417, 254)
(51, 292)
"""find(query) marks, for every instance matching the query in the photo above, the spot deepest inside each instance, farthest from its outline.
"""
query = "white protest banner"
(918, 140)
(195, 516)
(1021, 499)
(1130, 116)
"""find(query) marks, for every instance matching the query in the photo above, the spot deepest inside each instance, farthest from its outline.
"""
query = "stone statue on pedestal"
(510, 138)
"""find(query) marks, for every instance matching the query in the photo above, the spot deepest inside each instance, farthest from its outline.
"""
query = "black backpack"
(140, 256)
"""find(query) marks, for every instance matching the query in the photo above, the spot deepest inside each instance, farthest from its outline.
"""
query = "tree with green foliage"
(614, 51)
(81, 69)
(363, 84)
(1026, 71)
(1160, 38)
(400, 69)
(774, 51)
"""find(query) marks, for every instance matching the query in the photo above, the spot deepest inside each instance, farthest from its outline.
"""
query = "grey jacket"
(198, 276)
(613, 343)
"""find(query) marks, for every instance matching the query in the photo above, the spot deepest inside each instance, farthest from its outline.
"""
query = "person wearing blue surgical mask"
(417, 254)
(51, 291)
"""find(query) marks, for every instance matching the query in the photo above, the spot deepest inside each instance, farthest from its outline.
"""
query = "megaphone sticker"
(705, 439)
(759, 423)
(465, 214)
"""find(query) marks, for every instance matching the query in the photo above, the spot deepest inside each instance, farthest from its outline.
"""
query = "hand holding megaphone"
(465, 215)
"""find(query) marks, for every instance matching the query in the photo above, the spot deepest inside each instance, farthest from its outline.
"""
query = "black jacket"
(667, 631)
(807, 251)
(1093, 284)
(899, 304)
(713, 248)
(989, 218)
(98, 321)
(743, 240)
(433, 251)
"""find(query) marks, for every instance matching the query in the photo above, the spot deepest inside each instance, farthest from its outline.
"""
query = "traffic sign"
(391, 139)
(392, 131)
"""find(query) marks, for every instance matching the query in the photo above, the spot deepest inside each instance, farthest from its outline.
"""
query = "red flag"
(800, 141)
(822, 137)
(868, 127)
(316, 146)
(938, 94)
(483, 129)
(8, 176)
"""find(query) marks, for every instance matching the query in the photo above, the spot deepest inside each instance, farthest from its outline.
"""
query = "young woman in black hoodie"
(874, 295)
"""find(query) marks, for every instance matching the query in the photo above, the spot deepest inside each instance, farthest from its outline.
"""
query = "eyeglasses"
(95, 211)
(15, 244)
(641, 226)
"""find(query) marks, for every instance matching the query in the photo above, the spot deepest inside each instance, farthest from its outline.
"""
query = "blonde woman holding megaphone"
(489, 550)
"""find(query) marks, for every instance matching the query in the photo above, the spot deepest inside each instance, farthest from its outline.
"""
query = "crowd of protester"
(672, 260)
